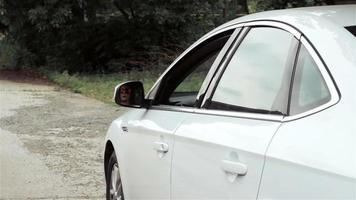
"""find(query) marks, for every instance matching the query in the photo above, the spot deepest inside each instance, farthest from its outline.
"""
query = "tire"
(113, 182)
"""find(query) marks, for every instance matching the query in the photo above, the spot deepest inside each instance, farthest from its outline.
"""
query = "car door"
(219, 150)
(146, 146)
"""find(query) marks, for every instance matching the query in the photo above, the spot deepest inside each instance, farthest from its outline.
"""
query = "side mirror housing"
(130, 94)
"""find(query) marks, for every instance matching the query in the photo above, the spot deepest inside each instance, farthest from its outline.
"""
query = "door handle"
(161, 147)
(233, 167)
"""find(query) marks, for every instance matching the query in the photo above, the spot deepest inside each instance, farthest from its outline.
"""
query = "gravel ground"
(51, 142)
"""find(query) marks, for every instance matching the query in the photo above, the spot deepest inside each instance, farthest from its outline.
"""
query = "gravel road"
(51, 143)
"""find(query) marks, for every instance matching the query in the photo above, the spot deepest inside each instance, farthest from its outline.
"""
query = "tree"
(87, 35)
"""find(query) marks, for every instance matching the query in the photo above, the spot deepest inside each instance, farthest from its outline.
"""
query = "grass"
(101, 86)
(191, 83)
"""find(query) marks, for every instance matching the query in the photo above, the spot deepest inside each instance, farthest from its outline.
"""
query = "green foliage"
(7, 54)
(100, 36)
(191, 83)
(281, 4)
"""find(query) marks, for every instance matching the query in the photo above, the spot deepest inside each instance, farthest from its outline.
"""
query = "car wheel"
(113, 183)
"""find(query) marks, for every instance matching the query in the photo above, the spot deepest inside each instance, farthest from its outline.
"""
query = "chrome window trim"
(335, 97)
(173, 108)
(245, 115)
(276, 24)
(256, 116)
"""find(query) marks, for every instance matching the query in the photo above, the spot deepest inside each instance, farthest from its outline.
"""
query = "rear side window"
(257, 77)
(309, 88)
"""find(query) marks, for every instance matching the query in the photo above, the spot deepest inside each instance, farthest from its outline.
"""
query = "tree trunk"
(225, 8)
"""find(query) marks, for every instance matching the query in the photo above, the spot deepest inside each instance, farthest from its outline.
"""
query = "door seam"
(171, 164)
(264, 160)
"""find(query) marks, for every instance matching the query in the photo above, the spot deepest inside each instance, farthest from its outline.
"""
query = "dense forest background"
(105, 36)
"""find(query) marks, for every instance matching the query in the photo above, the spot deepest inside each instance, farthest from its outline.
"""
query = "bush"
(7, 55)
(92, 36)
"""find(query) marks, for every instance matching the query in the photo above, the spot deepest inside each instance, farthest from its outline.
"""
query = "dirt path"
(51, 143)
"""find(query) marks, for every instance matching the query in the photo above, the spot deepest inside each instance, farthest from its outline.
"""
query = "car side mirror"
(130, 94)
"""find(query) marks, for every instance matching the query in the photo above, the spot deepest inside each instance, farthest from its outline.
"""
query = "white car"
(262, 107)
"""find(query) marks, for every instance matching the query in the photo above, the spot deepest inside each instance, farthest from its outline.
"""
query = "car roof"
(342, 15)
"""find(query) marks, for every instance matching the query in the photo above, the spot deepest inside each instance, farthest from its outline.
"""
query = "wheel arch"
(109, 149)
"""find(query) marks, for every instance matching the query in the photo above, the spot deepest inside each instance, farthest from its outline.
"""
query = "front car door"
(146, 145)
(219, 150)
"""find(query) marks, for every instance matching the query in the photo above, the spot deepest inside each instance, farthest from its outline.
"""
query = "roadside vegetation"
(91, 45)
(101, 86)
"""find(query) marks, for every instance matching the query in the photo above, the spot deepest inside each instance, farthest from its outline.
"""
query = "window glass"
(258, 76)
(352, 29)
(186, 92)
(309, 88)
(181, 85)
(194, 80)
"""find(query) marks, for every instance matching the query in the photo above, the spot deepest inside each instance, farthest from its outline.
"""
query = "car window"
(194, 80)
(186, 92)
(258, 75)
(309, 88)
(352, 29)
(181, 85)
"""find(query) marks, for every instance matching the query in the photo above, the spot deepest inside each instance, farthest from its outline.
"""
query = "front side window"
(258, 75)
(182, 83)
(309, 88)
(186, 92)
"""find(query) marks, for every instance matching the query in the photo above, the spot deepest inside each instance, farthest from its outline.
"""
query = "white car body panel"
(311, 157)
(200, 148)
(136, 154)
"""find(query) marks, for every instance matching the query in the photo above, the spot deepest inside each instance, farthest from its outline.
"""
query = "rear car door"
(219, 150)
(146, 147)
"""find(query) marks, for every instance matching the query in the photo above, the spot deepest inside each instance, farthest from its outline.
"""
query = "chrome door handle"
(161, 147)
(233, 167)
